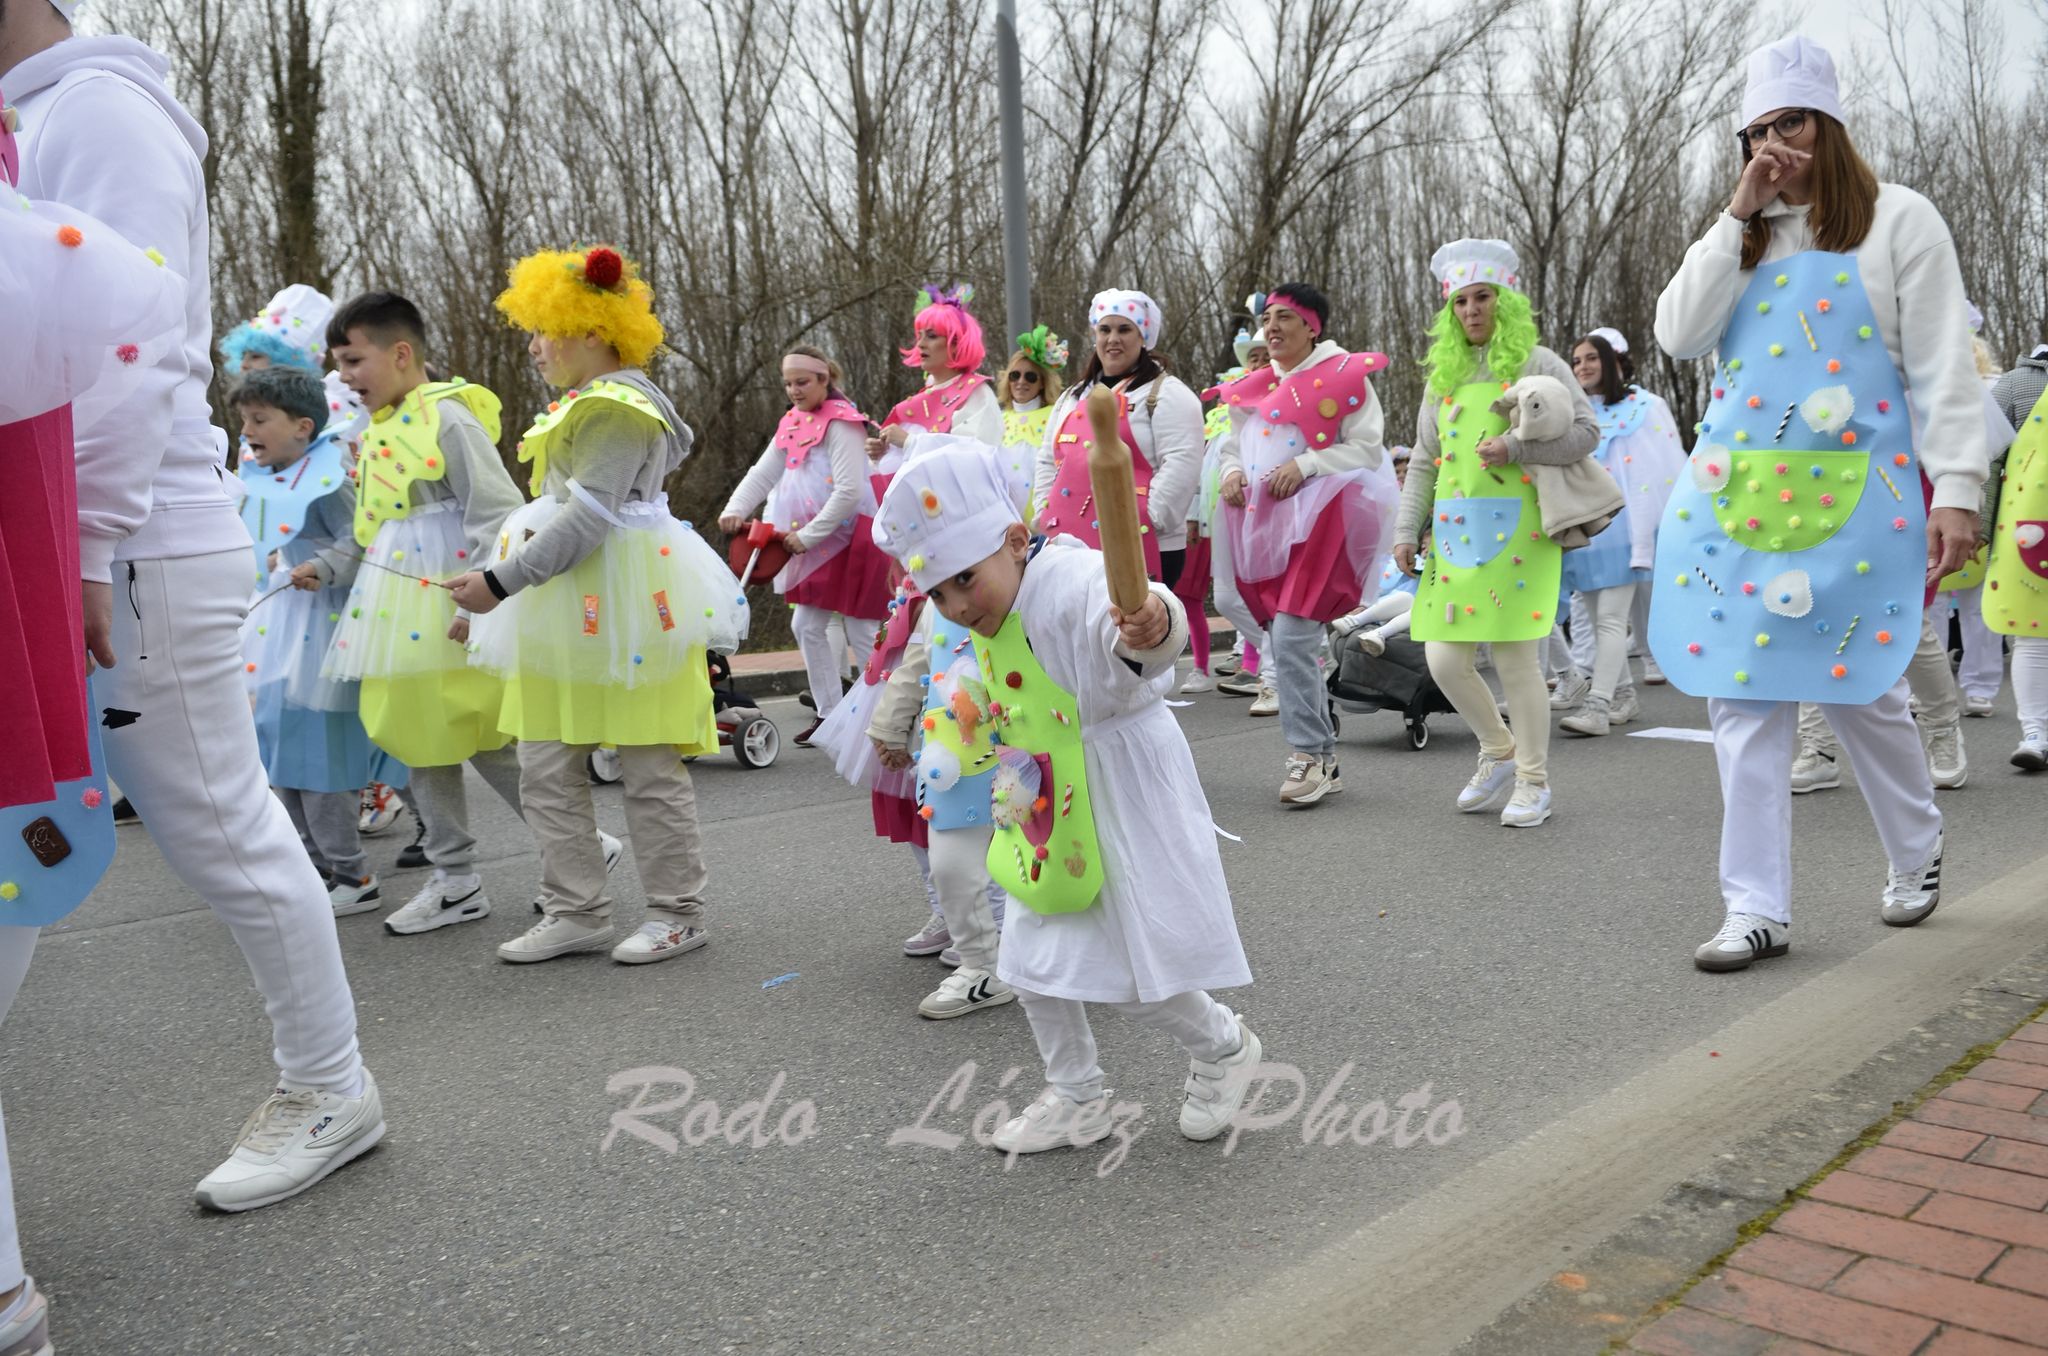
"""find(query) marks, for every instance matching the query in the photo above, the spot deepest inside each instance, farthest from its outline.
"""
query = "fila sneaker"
(294, 1139)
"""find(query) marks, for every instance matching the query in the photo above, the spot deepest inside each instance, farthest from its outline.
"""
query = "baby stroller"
(742, 727)
(1397, 680)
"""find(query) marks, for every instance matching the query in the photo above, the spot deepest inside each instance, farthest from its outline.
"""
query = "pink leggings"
(1192, 588)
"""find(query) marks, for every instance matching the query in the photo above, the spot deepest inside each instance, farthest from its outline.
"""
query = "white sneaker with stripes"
(1744, 938)
(1910, 896)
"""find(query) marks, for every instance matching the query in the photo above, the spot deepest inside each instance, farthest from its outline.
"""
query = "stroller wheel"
(757, 742)
(605, 766)
(1418, 733)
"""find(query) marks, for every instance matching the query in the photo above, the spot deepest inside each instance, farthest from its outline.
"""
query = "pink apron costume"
(83, 306)
(1310, 555)
(844, 573)
(1069, 507)
(932, 410)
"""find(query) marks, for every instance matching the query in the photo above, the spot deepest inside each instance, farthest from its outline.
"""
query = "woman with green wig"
(1493, 573)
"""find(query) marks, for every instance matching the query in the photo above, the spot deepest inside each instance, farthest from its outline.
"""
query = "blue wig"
(247, 338)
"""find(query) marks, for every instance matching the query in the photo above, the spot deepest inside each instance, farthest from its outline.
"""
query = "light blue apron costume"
(955, 773)
(78, 843)
(1790, 562)
(1603, 562)
(274, 503)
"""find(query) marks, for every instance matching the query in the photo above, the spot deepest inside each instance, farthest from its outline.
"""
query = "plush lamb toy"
(1539, 409)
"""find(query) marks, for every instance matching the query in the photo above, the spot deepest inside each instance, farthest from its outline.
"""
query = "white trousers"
(1203, 1027)
(1753, 747)
(1229, 602)
(1983, 670)
(959, 867)
(1600, 619)
(822, 638)
(189, 764)
(2030, 680)
(17, 945)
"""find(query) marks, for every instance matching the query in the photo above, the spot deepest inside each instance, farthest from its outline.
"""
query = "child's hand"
(1145, 629)
(458, 631)
(472, 594)
(306, 577)
(893, 758)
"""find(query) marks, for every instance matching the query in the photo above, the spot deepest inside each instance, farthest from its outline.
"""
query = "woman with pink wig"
(956, 397)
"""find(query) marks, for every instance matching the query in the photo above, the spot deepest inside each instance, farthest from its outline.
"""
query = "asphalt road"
(1499, 980)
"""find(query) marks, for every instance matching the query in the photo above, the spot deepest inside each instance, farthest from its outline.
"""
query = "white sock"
(14, 1310)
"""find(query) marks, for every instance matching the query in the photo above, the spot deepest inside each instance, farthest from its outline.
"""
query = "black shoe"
(806, 700)
(413, 855)
(124, 813)
(803, 741)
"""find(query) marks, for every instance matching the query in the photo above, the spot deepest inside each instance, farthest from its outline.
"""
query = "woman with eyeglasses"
(1795, 556)
(1161, 422)
(1030, 385)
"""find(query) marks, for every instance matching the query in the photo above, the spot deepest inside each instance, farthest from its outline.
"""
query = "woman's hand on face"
(1770, 168)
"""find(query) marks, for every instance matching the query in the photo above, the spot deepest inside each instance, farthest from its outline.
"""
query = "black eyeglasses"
(1030, 378)
(1787, 125)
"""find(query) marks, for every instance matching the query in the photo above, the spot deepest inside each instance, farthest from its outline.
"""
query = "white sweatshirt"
(1908, 263)
(846, 446)
(101, 131)
(1360, 437)
(1170, 439)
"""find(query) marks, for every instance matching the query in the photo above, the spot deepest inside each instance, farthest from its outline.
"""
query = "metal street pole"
(1016, 238)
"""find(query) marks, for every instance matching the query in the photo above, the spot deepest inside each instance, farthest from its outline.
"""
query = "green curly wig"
(1452, 360)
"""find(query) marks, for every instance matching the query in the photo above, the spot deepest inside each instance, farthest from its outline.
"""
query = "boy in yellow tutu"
(597, 607)
(430, 493)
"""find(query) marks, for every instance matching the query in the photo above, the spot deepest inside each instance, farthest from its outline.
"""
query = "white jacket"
(1169, 437)
(1909, 269)
(101, 132)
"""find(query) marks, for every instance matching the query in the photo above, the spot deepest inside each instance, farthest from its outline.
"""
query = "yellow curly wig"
(566, 294)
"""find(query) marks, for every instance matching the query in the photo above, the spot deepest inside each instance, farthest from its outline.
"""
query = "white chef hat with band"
(1612, 336)
(1462, 263)
(947, 509)
(1135, 307)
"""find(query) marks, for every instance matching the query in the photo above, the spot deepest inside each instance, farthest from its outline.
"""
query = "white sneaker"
(1571, 689)
(1976, 706)
(964, 991)
(377, 810)
(1196, 681)
(614, 853)
(1744, 938)
(2032, 754)
(1652, 675)
(293, 1140)
(928, 940)
(1214, 1092)
(659, 940)
(1309, 779)
(347, 897)
(1373, 642)
(552, 937)
(1489, 786)
(1909, 896)
(444, 899)
(28, 1332)
(1052, 1121)
(1528, 807)
(1593, 718)
(1267, 703)
(950, 956)
(1946, 761)
(1345, 625)
(1624, 708)
(1815, 769)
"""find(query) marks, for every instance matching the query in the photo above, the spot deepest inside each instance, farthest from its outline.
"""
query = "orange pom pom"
(70, 237)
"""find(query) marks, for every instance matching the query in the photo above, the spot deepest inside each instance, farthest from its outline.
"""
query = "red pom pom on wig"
(603, 268)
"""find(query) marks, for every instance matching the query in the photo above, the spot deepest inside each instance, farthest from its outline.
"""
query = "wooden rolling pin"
(1116, 503)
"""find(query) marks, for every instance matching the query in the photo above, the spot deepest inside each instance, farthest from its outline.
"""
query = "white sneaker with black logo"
(1909, 896)
(964, 991)
(294, 1139)
(1744, 939)
(351, 895)
(444, 899)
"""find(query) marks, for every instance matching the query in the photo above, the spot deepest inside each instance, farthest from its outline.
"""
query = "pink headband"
(804, 362)
(1308, 316)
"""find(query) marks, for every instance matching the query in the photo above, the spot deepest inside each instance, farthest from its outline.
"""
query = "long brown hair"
(1844, 196)
(1613, 386)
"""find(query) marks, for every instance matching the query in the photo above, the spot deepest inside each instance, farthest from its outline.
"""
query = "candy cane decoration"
(1886, 478)
(1018, 853)
(1809, 332)
(1495, 596)
(1848, 633)
(1067, 801)
(1060, 716)
(1779, 436)
(1708, 582)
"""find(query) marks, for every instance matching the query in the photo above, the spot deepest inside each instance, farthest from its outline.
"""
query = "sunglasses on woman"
(1787, 125)
(1028, 378)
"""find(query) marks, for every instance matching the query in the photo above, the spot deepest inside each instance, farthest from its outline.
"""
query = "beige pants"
(1519, 666)
(661, 819)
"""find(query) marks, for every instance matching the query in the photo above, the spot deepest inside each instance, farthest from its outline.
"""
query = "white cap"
(1794, 72)
(1612, 336)
(1135, 307)
(947, 508)
(1462, 263)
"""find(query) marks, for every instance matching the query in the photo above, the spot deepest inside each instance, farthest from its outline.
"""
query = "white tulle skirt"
(286, 639)
(396, 620)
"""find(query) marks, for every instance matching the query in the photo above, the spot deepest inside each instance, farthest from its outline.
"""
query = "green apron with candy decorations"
(2016, 581)
(1044, 851)
(1492, 573)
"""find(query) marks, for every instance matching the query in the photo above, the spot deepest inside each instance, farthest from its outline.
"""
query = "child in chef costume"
(1102, 832)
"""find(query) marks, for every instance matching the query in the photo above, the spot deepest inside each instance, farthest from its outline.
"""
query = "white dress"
(1163, 923)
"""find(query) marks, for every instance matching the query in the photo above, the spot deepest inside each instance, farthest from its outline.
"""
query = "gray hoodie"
(101, 132)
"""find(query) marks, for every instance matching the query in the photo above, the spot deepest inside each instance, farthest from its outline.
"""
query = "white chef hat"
(1465, 262)
(291, 331)
(948, 508)
(1135, 307)
(1612, 336)
(1794, 72)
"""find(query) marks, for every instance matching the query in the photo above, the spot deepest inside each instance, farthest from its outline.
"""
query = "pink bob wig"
(950, 319)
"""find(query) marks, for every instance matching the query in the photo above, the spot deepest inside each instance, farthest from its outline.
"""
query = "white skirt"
(629, 613)
(285, 639)
(844, 735)
(397, 619)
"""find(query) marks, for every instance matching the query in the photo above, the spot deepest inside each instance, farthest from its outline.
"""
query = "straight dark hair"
(1613, 386)
(385, 317)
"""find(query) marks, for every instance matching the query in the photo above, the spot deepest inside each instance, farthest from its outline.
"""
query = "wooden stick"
(1116, 504)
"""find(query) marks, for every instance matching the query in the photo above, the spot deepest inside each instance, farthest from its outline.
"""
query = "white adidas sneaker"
(1744, 939)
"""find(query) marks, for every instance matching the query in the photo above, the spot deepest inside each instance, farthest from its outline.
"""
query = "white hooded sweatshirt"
(101, 132)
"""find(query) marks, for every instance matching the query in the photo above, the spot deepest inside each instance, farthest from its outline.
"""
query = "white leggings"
(17, 945)
(1608, 610)
(959, 866)
(2030, 680)
(1230, 604)
(1204, 1028)
(823, 638)
(1520, 668)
